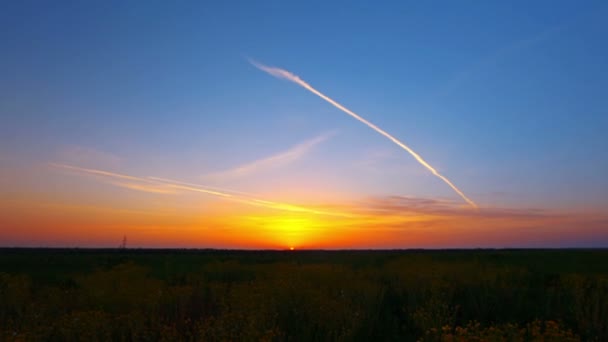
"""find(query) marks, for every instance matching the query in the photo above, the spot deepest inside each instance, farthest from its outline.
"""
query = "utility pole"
(123, 245)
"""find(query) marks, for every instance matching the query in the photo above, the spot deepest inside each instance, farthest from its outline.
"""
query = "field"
(211, 295)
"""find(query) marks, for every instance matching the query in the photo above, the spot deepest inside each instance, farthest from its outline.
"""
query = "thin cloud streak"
(173, 181)
(280, 73)
(149, 180)
(153, 188)
(403, 205)
(497, 55)
(234, 196)
(294, 153)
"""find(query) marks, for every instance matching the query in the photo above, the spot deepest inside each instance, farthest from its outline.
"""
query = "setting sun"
(293, 230)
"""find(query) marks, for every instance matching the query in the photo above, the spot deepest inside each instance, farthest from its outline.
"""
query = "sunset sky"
(164, 122)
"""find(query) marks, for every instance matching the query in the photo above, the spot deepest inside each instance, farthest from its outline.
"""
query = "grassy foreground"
(207, 295)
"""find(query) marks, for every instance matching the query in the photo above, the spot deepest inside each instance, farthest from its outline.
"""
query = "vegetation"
(169, 295)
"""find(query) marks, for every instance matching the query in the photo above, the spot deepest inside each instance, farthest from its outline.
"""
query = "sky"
(190, 124)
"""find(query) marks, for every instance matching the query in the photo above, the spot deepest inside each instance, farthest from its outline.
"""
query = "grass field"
(209, 295)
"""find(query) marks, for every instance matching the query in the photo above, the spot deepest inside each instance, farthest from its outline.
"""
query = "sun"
(291, 231)
(288, 231)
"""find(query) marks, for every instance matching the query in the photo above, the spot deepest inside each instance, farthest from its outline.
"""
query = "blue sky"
(507, 99)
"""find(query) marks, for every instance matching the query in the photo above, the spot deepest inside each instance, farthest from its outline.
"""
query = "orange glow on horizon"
(90, 226)
(169, 214)
(284, 230)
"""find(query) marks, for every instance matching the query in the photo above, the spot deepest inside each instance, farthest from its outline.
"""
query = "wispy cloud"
(404, 205)
(400, 222)
(280, 159)
(153, 188)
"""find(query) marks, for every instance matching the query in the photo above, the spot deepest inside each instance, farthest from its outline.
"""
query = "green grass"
(207, 295)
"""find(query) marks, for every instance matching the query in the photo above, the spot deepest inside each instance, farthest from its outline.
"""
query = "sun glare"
(292, 231)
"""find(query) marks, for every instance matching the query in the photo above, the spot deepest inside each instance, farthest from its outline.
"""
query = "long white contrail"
(173, 184)
(280, 73)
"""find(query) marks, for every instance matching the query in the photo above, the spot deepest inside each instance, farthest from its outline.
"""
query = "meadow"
(214, 295)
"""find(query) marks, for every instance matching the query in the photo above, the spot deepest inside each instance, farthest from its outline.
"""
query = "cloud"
(280, 159)
(395, 205)
(410, 222)
(153, 188)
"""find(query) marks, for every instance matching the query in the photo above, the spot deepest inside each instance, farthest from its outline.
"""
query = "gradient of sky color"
(507, 99)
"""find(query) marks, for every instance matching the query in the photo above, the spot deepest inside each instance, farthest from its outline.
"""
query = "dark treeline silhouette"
(216, 295)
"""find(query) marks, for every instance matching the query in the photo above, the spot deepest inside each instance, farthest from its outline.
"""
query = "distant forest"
(212, 295)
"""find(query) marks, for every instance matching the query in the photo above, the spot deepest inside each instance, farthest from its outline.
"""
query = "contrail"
(285, 157)
(280, 73)
(173, 181)
(137, 179)
(227, 194)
